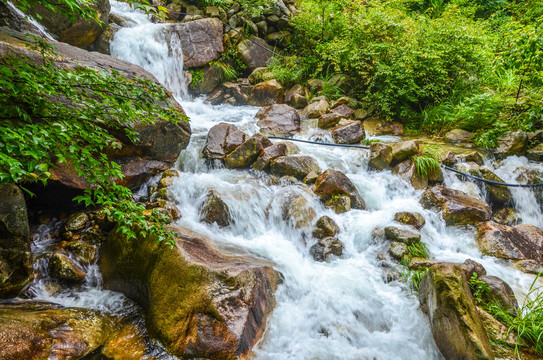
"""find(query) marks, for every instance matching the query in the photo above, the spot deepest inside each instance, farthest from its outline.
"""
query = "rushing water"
(344, 309)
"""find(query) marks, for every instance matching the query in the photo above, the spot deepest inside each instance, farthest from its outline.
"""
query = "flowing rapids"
(344, 309)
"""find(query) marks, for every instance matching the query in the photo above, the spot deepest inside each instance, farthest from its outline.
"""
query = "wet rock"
(166, 207)
(473, 156)
(410, 218)
(296, 96)
(310, 178)
(404, 235)
(298, 166)
(520, 242)
(325, 227)
(536, 153)
(514, 143)
(245, 154)
(218, 306)
(292, 148)
(470, 267)
(77, 32)
(329, 120)
(85, 253)
(201, 40)
(449, 159)
(457, 208)
(498, 196)
(419, 263)
(316, 109)
(269, 154)
(458, 136)
(253, 55)
(501, 294)
(348, 134)
(333, 183)
(339, 204)
(267, 93)
(404, 150)
(15, 265)
(296, 210)
(445, 297)
(398, 250)
(278, 120)
(325, 248)
(408, 171)
(377, 126)
(128, 343)
(380, 156)
(103, 41)
(76, 222)
(506, 216)
(221, 140)
(62, 268)
(215, 210)
(212, 76)
(37, 330)
(504, 342)
(528, 266)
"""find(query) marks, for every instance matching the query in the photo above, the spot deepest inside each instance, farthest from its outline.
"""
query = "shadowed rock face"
(199, 302)
(158, 144)
(520, 242)
(445, 297)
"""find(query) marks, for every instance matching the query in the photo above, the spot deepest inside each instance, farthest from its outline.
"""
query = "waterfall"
(31, 20)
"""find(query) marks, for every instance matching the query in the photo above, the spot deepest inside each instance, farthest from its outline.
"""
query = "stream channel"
(344, 309)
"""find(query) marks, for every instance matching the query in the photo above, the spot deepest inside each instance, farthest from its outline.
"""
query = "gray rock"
(405, 235)
(296, 211)
(222, 139)
(410, 218)
(269, 154)
(215, 210)
(278, 120)
(298, 166)
(380, 156)
(348, 134)
(514, 143)
(398, 250)
(325, 248)
(252, 55)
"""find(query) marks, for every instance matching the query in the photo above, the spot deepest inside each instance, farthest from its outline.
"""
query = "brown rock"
(332, 183)
(215, 210)
(500, 294)
(408, 171)
(343, 111)
(222, 139)
(470, 267)
(329, 120)
(278, 120)
(62, 268)
(520, 242)
(269, 154)
(218, 306)
(403, 235)
(296, 96)
(409, 218)
(325, 227)
(325, 248)
(316, 109)
(296, 211)
(245, 154)
(298, 166)
(514, 143)
(380, 156)
(377, 126)
(348, 134)
(458, 136)
(404, 150)
(201, 41)
(253, 55)
(457, 207)
(339, 204)
(267, 93)
(445, 297)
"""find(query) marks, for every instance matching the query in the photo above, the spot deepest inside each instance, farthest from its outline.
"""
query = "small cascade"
(31, 20)
(152, 46)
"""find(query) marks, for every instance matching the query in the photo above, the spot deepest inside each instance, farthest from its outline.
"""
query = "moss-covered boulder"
(15, 265)
(457, 207)
(246, 154)
(445, 297)
(198, 302)
(63, 268)
(410, 218)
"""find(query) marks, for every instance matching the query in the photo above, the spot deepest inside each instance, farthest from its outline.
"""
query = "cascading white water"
(343, 309)
(41, 29)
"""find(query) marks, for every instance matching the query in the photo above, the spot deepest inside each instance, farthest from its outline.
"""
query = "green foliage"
(478, 288)
(51, 116)
(286, 70)
(228, 72)
(197, 77)
(528, 325)
(428, 161)
(416, 277)
(420, 250)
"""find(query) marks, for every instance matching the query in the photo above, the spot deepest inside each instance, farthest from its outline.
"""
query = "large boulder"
(267, 93)
(269, 154)
(404, 150)
(445, 297)
(15, 265)
(39, 330)
(246, 154)
(298, 166)
(520, 242)
(408, 171)
(377, 126)
(349, 133)
(514, 143)
(253, 53)
(198, 302)
(278, 120)
(497, 196)
(77, 32)
(331, 184)
(457, 207)
(380, 156)
(201, 41)
(296, 211)
(158, 145)
(221, 140)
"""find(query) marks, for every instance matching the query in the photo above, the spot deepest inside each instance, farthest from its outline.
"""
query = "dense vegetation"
(51, 115)
(434, 65)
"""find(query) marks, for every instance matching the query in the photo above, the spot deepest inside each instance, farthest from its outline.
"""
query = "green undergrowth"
(427, 162)
(418, 250)
(51, 116)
